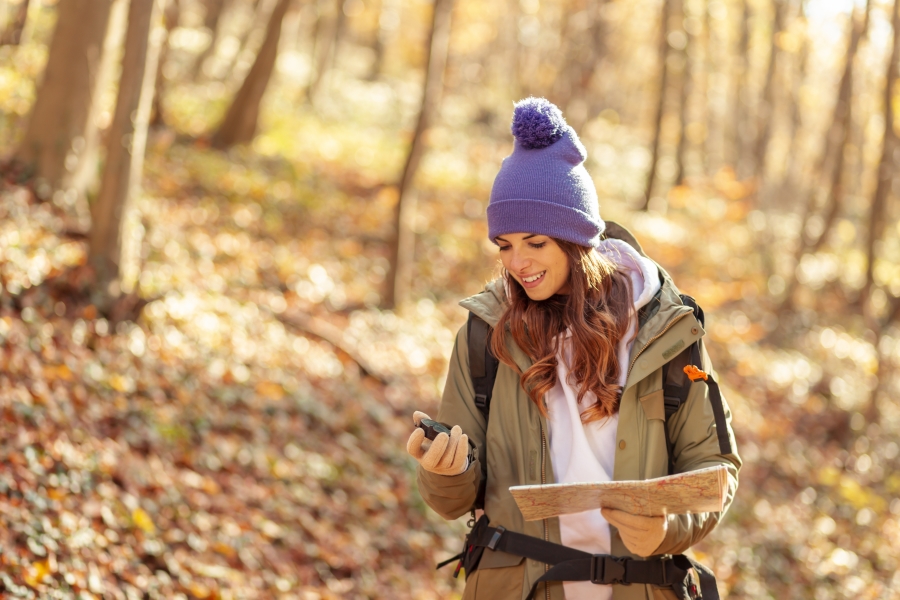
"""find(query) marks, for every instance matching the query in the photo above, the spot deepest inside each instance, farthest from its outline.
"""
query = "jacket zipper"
(668, 326)
(546, 523)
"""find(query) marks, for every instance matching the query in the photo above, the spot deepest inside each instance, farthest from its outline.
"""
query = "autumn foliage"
(235, 426)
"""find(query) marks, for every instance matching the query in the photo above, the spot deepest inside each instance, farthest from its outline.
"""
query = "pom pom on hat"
(537, 123)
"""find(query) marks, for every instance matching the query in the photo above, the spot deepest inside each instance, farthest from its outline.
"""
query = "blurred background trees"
(56, 127)
(323, 166)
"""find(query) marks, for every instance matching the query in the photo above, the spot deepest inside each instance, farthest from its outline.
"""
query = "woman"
(582, 324)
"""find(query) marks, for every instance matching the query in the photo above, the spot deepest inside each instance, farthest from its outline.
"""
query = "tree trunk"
(765, 112)
(171, 16)
(591, 63)
(399, 279)
(684, 108)
(125, 149)
(798, 77)
(383, 33)
(326, 50)
(340, 29)
(713, 146)
(12, 36)
(319, 35)
(83, 179)
(738, 120)
(255, 29)
(583, 49)
(837, 138)
(211, 21)
(886, 166)
(54, 136)
(241, 119)
(662, 54)
(832, 158)
(506, 60)
(566, 60)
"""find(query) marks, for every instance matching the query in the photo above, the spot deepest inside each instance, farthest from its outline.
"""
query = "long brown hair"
(597, 311)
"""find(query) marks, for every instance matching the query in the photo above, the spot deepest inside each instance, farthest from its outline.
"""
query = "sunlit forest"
(233, 236)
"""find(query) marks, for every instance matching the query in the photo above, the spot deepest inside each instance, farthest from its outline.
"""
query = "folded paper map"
(692, 492)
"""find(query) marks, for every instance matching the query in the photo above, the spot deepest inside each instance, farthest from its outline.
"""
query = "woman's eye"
(502, 248)
(541, 245)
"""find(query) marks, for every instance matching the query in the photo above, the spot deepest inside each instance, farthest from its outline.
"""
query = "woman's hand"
(445, 455)
(642, 535)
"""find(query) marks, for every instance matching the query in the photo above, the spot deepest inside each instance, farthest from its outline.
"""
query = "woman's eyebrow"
(527, 237)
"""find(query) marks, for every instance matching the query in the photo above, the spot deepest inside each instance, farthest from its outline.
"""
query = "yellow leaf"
(860, 497)
(143, 520)
(680, 196)
(270, 389)
(854, 493)
(388, 196)
(829, 476)
(893, 483)
(118, 383)
(210, 486)
(54, 372)
(198, 590)
(224, 549)
(35, 574)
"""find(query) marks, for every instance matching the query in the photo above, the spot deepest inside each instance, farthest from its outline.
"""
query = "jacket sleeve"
(452, 496)
(693, 429)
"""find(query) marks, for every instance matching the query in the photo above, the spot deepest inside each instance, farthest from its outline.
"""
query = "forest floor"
(216, 448)
(245, 438)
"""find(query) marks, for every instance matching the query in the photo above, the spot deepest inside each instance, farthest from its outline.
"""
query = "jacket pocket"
(495, 559)
(503, 583)
(654, 405)
(658, 593)
(655, 454)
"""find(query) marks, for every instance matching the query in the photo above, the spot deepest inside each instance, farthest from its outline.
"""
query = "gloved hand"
(445, 455)
(642, 535)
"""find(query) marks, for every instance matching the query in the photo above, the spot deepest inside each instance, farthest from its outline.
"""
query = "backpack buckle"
(481, 401)
(607, 570)
(496, 537)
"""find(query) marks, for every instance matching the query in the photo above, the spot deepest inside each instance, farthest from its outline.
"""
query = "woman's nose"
(519, 262)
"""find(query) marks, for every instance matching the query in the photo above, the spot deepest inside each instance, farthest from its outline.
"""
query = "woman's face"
(536, 262)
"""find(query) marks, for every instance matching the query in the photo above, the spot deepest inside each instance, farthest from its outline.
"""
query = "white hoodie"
(587, 452)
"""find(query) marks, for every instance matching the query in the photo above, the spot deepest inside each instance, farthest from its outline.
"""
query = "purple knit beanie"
(543, 187)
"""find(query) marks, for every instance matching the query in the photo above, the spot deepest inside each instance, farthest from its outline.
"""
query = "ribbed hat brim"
(526, 215)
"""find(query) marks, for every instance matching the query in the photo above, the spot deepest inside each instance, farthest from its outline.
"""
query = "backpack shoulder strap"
(677, 386)
(483, 371)
(482, 364)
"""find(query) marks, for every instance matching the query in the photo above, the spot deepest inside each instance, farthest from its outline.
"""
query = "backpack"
(569, 564)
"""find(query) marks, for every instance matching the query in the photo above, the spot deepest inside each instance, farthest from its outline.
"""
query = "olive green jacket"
(514, 446)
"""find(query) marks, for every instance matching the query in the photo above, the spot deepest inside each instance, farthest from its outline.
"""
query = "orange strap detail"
(695, 373)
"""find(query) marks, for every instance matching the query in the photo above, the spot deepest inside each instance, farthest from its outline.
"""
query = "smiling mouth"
(533, 278)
